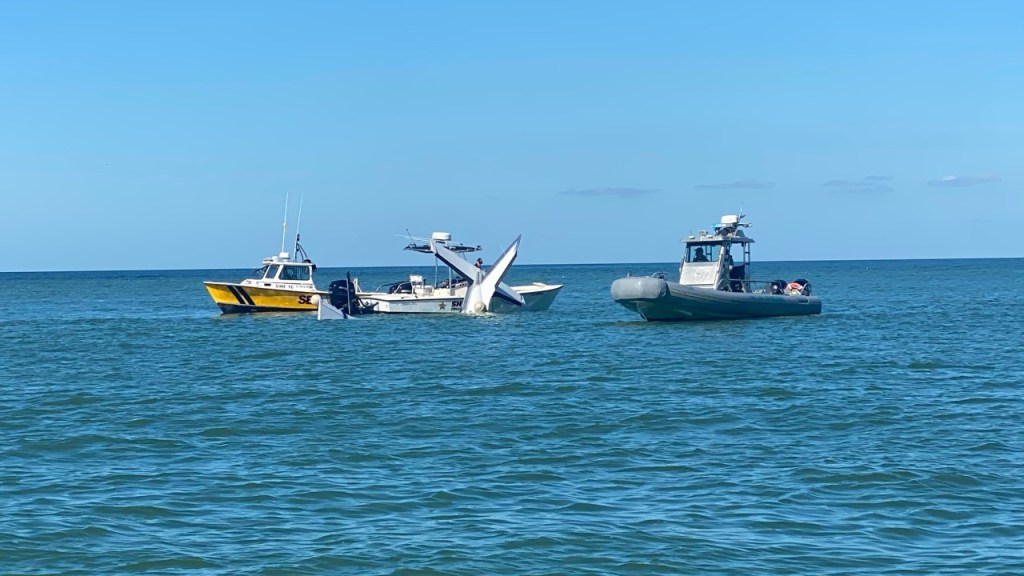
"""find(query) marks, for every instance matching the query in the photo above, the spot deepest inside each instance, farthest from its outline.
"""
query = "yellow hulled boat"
(283, 284)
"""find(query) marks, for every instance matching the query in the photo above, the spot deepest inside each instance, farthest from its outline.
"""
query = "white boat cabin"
(719, 260)
(282, 272)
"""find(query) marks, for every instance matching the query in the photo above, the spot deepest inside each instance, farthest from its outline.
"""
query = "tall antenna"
(298, 221)
(284, 225)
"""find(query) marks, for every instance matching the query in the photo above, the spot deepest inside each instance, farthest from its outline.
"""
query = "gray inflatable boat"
(714, 286)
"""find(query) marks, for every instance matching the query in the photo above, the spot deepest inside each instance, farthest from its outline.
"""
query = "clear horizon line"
(639, 263)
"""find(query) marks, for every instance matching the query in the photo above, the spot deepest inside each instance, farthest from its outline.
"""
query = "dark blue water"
(143, 432)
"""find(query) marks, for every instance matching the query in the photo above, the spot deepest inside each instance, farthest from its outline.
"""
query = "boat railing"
(446, 284)
(400, 287)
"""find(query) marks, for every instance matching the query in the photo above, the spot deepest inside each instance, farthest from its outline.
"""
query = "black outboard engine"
(736, 277)
(342, 295)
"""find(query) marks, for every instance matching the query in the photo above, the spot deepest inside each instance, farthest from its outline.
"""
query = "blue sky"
(155, 135)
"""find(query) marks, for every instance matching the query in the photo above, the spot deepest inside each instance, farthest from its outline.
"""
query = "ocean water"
(143, 432)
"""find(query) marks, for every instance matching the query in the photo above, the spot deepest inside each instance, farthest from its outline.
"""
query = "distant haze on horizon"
(422, 264)
(167, 135)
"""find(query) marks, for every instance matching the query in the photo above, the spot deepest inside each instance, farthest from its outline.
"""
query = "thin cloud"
(878, 178)
(857, 186)
(963, 181)
(621, 192)
(738, 185)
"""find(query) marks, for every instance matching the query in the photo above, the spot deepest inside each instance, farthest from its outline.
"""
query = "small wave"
(954, 479)
(221, 432)
(990, 446)
(979, 400)
(532, 543)
(533, 476)
(138, 510)
(165, 564)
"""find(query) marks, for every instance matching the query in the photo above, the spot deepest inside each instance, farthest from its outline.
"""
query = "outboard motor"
(736, 277)
(342, 295)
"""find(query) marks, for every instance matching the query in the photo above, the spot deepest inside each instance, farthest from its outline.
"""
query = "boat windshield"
(702, 252)
(295, 273)
(271, 271)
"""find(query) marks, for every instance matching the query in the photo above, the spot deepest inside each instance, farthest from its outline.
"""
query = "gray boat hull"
(656, 299)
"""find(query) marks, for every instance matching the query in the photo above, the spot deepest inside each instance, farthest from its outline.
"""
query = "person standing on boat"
(479, 263)
(699, 256)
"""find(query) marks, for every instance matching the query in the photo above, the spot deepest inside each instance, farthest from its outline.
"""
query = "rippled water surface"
(143, 432)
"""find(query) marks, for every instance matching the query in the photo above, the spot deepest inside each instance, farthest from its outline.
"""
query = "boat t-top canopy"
(727, 231)
(444, 238)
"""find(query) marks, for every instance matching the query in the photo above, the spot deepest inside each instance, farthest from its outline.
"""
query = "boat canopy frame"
(428, 248)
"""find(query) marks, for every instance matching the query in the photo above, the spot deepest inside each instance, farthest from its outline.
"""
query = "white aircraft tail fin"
(483, 287)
